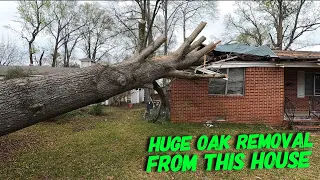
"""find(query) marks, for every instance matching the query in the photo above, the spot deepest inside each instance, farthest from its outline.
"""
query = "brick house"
(262, 88)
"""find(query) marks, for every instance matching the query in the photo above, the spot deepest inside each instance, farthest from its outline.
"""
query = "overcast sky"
(214, 27)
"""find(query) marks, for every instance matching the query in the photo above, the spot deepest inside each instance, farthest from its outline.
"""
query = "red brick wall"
(290, 79)
(261, 104)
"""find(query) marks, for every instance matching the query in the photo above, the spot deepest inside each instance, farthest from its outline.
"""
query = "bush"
(16, 72)
(96, 109)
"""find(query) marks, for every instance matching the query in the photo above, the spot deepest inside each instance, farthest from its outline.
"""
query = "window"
(309, 81)
(312, 84)
(234, 85)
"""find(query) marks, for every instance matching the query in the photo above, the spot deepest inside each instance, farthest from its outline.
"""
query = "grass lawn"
(114, 146)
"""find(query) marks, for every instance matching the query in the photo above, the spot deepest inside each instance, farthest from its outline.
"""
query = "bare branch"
(181, 51)
(208, 48)
(151, 48)
(197, 43)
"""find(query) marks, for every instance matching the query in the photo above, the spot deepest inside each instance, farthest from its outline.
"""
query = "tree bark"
(165, 26)
(55, 55)
(165, 52)
(30, 54)
(280, 26)
(41, 57)
(184, 27)
(27, 101)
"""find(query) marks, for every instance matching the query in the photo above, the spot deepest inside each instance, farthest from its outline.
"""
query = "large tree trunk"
(26, 101)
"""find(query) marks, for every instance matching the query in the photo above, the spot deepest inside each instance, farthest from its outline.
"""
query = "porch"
(302, 98)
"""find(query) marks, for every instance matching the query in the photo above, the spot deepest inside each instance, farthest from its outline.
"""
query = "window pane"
(218, 86)
(236, 74)
(235, 82)
(309, 83)
(235, 87)
(317, 84)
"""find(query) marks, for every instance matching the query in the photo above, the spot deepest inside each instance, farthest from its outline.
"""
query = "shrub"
(96, 109)
(16, 72)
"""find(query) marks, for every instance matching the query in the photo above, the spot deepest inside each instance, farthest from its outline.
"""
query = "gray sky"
(214, 27)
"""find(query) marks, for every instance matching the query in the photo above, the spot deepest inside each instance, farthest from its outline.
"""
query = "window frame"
(314, 83)
(226, 84)
(305, 86)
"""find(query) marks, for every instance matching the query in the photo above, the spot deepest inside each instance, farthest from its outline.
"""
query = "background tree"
(31, 17)
(142, 21)
(10, 53)
(137, 23)
(193, 11)
(280, 23)
(96, 31)
(63, 15)
(247, 26)
(38, 55)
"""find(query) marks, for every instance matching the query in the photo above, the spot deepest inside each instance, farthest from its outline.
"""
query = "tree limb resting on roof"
(189, 75)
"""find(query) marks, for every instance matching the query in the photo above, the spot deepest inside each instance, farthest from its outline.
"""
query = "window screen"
(309, 83)
(317, 84)
(234, 84)
(235, 81)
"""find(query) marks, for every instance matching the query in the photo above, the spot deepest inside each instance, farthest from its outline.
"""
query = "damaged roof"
(265, 51)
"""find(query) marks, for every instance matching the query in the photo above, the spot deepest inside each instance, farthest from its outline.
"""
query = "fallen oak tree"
(27, 101)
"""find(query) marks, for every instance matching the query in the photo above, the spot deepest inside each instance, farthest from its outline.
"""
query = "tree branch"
(181, 51)
(150, 49)
(197, 43)
(192, 76)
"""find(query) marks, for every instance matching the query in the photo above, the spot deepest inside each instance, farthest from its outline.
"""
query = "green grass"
(113, 146)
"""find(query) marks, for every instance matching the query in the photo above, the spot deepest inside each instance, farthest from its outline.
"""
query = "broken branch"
(197, 43)
(151, 48)
(208, 48)
(181, 51)
(188, 75)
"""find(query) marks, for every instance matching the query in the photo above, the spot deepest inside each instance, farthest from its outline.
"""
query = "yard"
(113, 146)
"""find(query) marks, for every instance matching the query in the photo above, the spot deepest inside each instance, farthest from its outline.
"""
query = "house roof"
(239, 55)
(86, 60)
(35, 70)
(297, 54)
(263, 50)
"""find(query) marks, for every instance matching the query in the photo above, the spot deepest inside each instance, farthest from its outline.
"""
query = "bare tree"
(248, 26)
(96, 32)
(190, 12)
(27, 101)
(31, 17)
(70, 43)
(144, 16)
(63, 15)
(10, 53)
(138, 24)
(286, 21)
(39, 55)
